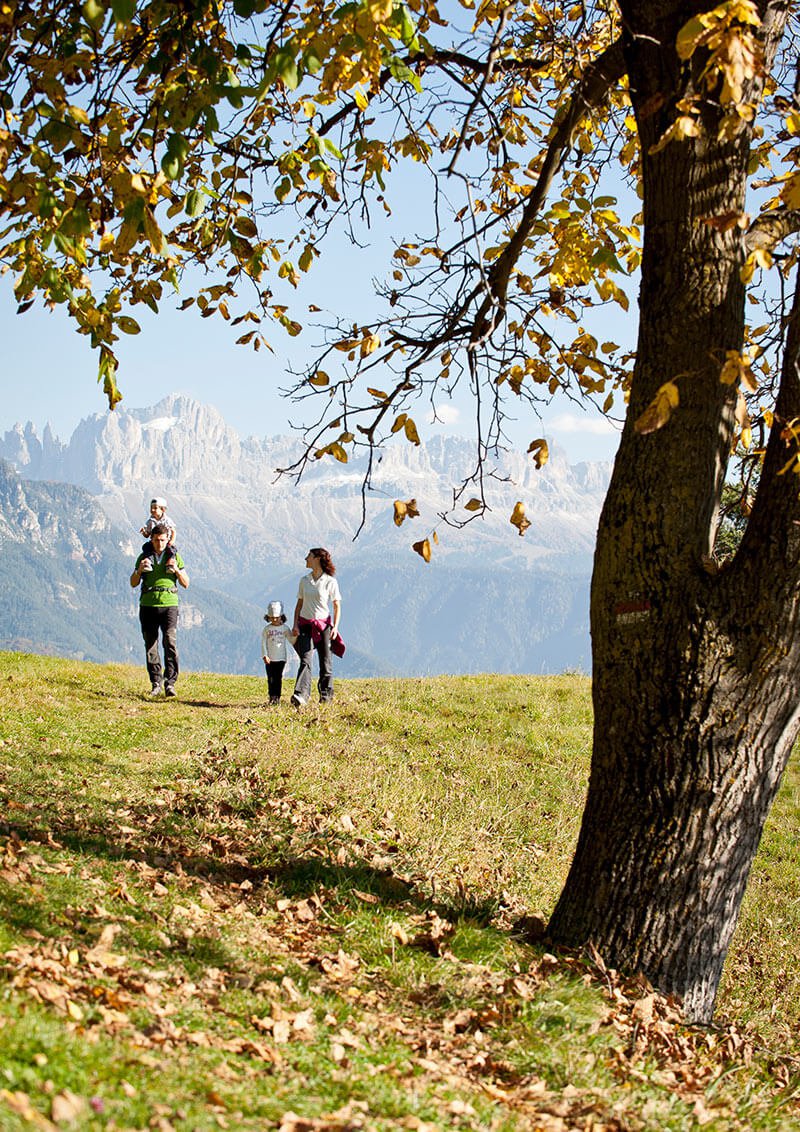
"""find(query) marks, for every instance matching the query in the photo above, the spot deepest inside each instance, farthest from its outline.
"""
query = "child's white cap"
(158, 502)
(275, 609)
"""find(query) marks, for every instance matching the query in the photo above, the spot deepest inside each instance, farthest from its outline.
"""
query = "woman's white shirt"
(317, 595)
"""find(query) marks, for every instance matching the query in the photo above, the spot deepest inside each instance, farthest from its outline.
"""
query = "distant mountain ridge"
(488, 601)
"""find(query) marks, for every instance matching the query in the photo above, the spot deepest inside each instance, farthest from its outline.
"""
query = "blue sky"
(50, 370)
(50, 376)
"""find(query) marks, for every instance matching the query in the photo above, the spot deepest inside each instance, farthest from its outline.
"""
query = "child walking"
(273, 648)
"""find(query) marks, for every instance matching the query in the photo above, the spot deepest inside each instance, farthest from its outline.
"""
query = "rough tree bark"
(696, 675)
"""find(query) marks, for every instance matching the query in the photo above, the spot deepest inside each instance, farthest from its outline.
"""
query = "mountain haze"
(488, 601)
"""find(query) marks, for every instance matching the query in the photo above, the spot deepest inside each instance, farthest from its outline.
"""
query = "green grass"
(215, 913)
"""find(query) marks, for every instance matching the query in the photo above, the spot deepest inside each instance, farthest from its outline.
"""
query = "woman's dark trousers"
(305, 650)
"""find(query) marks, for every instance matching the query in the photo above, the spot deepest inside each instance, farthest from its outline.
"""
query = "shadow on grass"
(183, 702)
(152, 838)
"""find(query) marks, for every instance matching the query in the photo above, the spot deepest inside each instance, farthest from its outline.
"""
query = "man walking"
(158, 607)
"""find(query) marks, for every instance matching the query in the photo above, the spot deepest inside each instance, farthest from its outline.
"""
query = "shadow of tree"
(152, 843)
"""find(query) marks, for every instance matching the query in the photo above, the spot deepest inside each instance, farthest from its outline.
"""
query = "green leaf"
(407, 29)
(311, 60)
(171, 166)
(289, 74)
(128, 325)
(398, 70)
(93, 12)
(245, 227)
(194, 203)
(123, 10)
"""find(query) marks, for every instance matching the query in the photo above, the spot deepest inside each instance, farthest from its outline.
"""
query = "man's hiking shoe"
(155, 690)
(295, 701)
(169, 690)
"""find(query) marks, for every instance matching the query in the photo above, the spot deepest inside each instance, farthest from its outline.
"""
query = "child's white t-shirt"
(273, 641)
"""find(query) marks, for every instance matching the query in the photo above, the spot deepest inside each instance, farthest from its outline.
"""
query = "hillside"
(64, 588)
(489, 601)
(216, 915)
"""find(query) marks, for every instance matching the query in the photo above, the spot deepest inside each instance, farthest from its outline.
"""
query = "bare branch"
(487, 74)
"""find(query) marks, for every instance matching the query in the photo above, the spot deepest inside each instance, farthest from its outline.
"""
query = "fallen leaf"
(66, 1107)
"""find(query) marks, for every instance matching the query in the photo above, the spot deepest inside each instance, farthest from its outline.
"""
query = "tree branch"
(770, 228)
(491, 59)
(771, 541)
(592, 89)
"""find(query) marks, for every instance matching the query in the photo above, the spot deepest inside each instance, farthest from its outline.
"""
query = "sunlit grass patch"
(213, 912)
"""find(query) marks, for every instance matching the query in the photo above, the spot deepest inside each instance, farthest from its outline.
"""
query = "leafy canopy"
(148, 146)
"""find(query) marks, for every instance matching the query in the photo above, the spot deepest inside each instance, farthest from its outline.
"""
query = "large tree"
(143, 138)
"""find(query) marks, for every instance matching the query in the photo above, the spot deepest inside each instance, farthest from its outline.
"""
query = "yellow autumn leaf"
(518, 519)
(154, 234)
(404, 509)
(473, 505)
(540, 451)
(689, 37)
(319, 379)
(659, 410)
(423, 549)
(381, 10)
(790, 192)
(369, 345)
(683, 127)
(737, 370)
(411, 431)
(360, 99)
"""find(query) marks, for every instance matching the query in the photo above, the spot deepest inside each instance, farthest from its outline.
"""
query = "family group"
(159, 571)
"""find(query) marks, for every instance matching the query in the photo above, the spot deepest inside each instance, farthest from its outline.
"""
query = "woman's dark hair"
(325, 560)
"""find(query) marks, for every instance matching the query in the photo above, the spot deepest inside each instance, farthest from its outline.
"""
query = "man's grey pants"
(164, 619)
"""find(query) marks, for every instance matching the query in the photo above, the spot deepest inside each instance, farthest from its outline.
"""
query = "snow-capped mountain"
(488, 600)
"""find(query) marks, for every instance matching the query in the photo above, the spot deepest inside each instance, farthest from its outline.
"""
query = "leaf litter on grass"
(296, 960)
(102, 989)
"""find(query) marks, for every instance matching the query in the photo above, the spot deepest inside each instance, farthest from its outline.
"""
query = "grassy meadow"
(216, 914)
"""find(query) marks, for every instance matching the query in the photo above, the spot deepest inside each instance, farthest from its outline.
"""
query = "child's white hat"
(275, 609)
(158, 502)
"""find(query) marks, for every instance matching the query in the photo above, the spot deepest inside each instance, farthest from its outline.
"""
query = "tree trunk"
(696, 705)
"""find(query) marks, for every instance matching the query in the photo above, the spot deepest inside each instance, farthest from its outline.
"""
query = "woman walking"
(318, 592)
